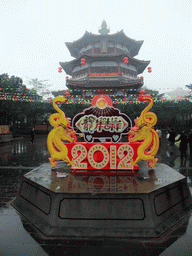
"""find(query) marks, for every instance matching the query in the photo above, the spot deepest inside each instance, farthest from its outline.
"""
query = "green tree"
(17, 102)
(39, 86)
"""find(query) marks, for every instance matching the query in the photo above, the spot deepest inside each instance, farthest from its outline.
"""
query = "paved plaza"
(18, 238)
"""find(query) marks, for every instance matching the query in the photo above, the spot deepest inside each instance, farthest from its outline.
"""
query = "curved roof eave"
(128, 38)
(143, 62)
(68, 66)
(142, 65)
(137, 44)
(74, 46)
(76, 41)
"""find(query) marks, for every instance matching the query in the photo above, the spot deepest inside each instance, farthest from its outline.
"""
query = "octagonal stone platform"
(64, 205)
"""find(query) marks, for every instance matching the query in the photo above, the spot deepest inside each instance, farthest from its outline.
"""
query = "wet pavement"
(22, 153)
(17, 237)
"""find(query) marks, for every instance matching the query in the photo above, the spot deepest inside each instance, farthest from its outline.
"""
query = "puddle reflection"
(23, 153)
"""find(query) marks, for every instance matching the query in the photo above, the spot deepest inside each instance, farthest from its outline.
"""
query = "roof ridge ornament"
(104, 30)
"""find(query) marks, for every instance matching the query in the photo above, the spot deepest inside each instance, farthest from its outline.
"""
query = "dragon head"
(59, 99)
(144, 97)
(138, 133)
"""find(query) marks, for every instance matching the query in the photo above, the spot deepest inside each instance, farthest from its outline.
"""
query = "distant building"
(104, 63)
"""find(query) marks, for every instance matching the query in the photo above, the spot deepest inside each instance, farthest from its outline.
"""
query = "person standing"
(171, 140)
(190, 142)
(183, 147)
(32, 135)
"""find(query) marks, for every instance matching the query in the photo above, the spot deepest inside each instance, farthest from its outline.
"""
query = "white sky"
(33, 35)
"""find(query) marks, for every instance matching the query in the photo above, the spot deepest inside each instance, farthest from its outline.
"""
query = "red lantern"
(149, 69)
(142, 92)
(125, 60)
(59, 69)
(67, 77)
(83, 61)
(67, 93)
(141, 77)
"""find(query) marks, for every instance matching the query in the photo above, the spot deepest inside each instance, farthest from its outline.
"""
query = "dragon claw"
(152, 163)
(72, 162)
(133, 163)
(52, 162)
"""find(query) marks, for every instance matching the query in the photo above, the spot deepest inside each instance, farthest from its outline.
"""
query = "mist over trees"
(20, 107)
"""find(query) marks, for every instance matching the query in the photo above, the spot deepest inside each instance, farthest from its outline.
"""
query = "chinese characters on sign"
(102, 121)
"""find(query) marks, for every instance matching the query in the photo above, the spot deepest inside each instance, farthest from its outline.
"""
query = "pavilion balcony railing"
(104, 74)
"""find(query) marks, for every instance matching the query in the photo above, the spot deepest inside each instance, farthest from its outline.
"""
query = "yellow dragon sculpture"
(143, 131)
(62, 131)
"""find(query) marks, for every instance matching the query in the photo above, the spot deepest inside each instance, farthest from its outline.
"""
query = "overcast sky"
(33, 35)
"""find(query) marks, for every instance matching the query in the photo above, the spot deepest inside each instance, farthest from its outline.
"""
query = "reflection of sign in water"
(102, 121)
(105, 184)
(97, 184)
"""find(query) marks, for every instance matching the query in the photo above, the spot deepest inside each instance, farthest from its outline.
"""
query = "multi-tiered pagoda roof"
(104, 62)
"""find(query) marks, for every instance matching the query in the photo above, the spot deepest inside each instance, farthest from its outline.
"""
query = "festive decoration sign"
(102, 121)
(103, 156)
(102, 127)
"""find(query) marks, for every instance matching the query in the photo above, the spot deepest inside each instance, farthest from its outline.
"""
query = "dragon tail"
(153, 150)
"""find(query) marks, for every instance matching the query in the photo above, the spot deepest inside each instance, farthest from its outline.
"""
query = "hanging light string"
(129, 96)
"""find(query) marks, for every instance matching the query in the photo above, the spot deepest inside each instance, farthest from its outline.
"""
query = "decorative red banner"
(103, 156)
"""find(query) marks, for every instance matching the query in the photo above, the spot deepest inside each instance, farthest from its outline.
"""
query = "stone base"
(104, 206)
